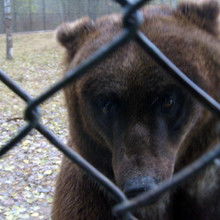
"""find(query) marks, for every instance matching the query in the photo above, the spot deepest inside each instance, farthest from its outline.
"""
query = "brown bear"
(134, 122)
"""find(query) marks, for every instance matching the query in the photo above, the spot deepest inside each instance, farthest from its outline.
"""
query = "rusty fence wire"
(132, 19)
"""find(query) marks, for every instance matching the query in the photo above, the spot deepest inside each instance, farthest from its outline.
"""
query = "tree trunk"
(8, 29)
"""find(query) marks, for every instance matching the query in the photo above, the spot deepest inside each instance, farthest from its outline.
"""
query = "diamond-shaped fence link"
(132, 19)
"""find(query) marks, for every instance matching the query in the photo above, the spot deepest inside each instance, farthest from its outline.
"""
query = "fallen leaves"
(28, 172)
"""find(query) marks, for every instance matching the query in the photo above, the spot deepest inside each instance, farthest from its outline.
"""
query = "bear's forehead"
(173, 38)
(129, 67)
(137, 83)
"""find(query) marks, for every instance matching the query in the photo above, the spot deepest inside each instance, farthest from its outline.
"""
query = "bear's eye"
(108, 107)
(168, 104)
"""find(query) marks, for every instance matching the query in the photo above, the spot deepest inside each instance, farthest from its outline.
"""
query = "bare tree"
(8, 29)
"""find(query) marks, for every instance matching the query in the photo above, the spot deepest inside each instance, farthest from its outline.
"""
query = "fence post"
(8, 29)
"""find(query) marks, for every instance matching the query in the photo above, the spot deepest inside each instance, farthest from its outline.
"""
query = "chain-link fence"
(132, 19)
(35, 15)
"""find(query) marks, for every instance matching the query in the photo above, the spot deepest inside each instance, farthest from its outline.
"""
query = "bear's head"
(129, 117)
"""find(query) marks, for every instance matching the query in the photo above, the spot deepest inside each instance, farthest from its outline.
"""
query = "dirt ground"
(28, 171)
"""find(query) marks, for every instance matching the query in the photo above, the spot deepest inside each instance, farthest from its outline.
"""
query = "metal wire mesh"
(132, 20)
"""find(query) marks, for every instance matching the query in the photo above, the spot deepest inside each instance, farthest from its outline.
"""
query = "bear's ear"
(73, 35)
(202, 13)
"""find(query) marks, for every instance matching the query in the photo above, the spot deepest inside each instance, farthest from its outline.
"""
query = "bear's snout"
(138, 185)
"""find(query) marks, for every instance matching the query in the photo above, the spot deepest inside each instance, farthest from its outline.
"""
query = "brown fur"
(118, 119)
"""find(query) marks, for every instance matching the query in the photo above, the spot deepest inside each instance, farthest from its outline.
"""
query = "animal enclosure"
(132, 20)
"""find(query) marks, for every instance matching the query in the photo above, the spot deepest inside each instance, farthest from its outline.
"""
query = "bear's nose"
(138, 185)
